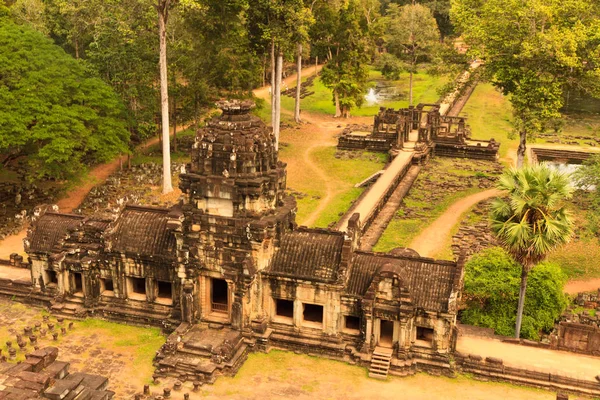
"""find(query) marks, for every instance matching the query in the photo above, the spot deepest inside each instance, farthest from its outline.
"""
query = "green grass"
(321, 102)
(579, 258)
(489, 114)
(144, 342)
(343, 174)
(280, 374)
(401, 231)
(440, 184)
(590, 311)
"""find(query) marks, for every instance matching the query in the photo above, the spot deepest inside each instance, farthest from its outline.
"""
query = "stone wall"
(483, 150)
(494, 369)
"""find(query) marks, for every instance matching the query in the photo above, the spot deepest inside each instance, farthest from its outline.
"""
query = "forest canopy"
(54, 113)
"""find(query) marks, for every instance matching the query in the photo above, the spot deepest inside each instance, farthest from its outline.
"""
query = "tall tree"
(412, 34)
(298, 82)
(534, 219)
(346, 72)
(280, 25)
(162, 7)
(531, 51)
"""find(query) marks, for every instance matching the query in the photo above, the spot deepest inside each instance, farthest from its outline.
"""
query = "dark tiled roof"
(309, 253)
(143, 231)
(50, 228)
(429, 282)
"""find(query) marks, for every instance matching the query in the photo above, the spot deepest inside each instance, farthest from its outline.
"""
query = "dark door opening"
(386, 333)
(219, 296)
(51, 277)
(78, 282)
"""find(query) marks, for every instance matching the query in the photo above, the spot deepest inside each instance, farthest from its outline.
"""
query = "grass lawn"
(489, 114)
(440, 183)
(321, 102)
(282, 374)
(342, 174)
(579, 258)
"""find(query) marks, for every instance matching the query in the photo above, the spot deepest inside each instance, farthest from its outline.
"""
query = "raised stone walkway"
(369, 203)
(378, 226)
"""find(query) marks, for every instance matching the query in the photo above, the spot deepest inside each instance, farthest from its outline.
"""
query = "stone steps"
(71, 308)
(381, 360)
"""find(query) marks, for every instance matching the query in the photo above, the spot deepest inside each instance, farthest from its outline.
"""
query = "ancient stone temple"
(422, 128)
(230, 272)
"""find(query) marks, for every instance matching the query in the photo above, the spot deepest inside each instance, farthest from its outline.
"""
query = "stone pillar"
(298, 313)
(188, 309)
(237, 313)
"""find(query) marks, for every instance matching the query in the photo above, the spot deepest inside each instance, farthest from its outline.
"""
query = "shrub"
(389, 66)
(491, 293)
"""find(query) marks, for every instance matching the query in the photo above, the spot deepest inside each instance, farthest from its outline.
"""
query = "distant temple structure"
(230, 272)
(422, 128)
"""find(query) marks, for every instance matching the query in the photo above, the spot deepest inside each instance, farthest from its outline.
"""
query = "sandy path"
(290, 81)
(588, 285)
(435, 236)
(323, 131)
(326, 133)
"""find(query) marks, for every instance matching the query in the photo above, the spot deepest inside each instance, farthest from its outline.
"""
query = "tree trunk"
(264, 71)
(278, 99)
(196, 110)
(338, 112)
(298, 84)
(273, 82)
(164, 97)
(522, 148)
(524, 273)
(410, 89)
(317, 66)
(174, 118)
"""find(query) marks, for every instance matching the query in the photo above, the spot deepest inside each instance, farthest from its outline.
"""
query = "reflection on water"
(371, 97)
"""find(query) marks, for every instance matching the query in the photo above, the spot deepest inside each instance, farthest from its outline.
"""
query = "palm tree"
(533, 220)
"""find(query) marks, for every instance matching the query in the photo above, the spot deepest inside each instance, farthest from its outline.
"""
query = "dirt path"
(264, 92)
(435, 236)
(589, 285)
(324, 128)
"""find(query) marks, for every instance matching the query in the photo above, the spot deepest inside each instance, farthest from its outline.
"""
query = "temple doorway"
(386, 333)
(78, 283)
(219, 296)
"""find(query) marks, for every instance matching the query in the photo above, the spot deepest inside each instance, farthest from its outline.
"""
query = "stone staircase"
(202, 352)
(380, 362)
(71, 308)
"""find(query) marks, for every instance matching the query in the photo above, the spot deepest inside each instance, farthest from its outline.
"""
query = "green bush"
(389, 66)
(491, 293)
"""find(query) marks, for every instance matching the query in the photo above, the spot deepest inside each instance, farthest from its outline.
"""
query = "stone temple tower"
(233, 215)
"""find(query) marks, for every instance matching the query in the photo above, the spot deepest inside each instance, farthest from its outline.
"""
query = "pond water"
(568, 169)
(384, 91)
(371, 97)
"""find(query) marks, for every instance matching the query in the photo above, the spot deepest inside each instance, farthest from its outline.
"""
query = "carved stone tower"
(234, 209)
